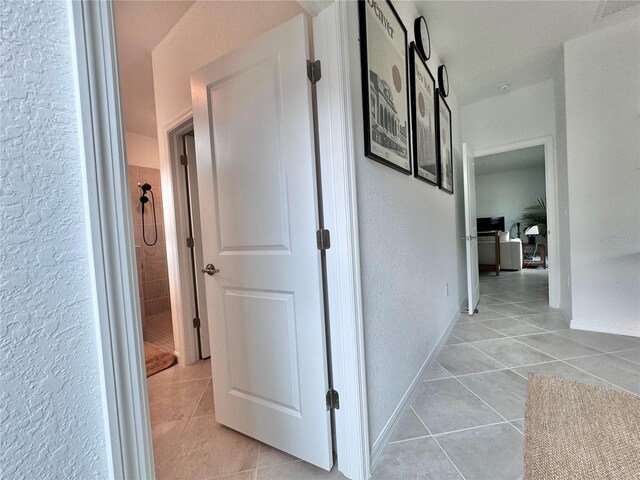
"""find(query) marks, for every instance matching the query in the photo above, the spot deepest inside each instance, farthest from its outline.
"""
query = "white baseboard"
(606, 328)
(383, 439)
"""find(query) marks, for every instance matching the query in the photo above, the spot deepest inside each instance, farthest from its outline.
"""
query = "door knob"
(210, 269)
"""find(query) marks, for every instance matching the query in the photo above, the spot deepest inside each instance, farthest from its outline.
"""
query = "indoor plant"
(535, 214)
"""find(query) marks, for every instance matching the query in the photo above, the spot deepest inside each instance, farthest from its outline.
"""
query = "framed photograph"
(423, 119)
(385, 92)
(445, 143)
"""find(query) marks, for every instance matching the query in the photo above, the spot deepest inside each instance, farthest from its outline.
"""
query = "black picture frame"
(386, 114)
(445, 144)
(423, 106)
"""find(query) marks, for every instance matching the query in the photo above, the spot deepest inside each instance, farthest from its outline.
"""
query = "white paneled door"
(259, 215)
(471, 228)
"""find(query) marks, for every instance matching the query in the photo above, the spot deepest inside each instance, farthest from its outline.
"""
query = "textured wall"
(409, 252)
(51, 417)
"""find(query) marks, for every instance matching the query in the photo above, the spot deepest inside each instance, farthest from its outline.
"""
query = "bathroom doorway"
(150, 247)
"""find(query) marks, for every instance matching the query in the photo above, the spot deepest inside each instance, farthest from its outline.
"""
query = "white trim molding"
(612, 328)
(344, 292)
(551, 188)
(385, 436)
(178, 262)
(108, 203)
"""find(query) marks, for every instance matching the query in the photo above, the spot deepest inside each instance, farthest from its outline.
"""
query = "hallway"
(467, 418)
(465, 421)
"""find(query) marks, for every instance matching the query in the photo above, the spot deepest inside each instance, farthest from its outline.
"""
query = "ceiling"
(487, 43)
(140, 26)
(483, 43)
(529, 157)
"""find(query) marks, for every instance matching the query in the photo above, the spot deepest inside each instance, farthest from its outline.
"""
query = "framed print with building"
(385, 92)
(445, 143)
(423, 119)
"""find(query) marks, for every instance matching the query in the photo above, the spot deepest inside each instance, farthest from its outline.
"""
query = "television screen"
(487, 224)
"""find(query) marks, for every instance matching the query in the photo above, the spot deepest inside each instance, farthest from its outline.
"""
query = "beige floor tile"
(181, 373)
(269, 457)
(298, 471)
(207, 449)
(409, 427)
(415, 459)
(248, 475)
(205, 405)
(165, 439)
(174, 401)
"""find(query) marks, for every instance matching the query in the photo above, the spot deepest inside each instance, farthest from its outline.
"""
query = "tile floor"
(189, 444)
(465, 421)
(158, 329)
(467, 417)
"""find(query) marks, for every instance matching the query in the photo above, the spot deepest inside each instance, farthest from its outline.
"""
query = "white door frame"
(178, 254)
(551, 191)
(127, 422)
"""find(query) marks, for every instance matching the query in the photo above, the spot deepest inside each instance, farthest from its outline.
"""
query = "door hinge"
(190, 242)
(333, 399)
(184, 160)
(314, 71)
(324, 239)
(196, 322)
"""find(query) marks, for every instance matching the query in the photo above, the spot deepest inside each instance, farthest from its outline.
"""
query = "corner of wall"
(562, 178)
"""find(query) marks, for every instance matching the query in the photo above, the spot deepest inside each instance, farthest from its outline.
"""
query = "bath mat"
(157, 360)
(578, 431)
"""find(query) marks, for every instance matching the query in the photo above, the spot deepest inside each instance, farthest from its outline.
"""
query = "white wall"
(409, 242)
(142, 150)
(602, 73)
(562, 176)
(52, 410)
(507, 193)
(207, 31)
(519, 115)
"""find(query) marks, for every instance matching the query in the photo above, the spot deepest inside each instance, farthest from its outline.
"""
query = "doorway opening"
(516, 196)
(511, 198)
(241, 258)
(112, 232)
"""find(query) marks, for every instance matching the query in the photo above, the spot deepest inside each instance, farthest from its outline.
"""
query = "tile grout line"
(199, 400)
(486, 355)
(578, 368)
(493, 424)
(438, 443)
(515, 337)
(542, 332)
(178, 381)
(405, 440)
(555, 332)
(600, 378)
(622, 358)
(226, 475)
(495, 411)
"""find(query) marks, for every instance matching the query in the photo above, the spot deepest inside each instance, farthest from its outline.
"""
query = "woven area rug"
(578, 431)
(156, 360)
